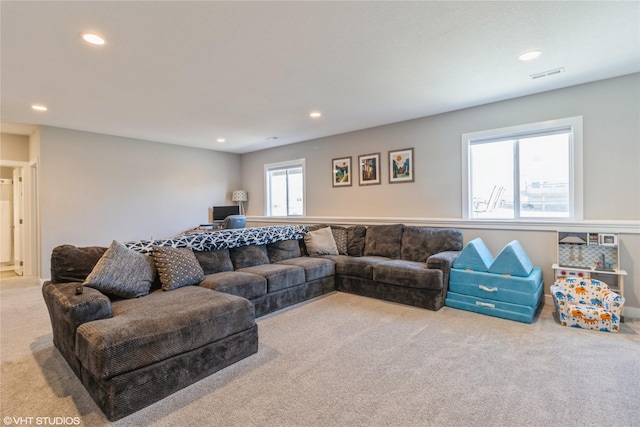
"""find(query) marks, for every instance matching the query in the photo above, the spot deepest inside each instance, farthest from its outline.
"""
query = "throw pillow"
(122, 272)
(340, 237)
(177, 267)
(321, 242)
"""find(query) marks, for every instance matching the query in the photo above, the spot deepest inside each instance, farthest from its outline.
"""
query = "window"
(285, 188)
(524, 172)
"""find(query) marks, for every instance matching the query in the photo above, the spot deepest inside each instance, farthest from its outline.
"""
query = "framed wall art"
(341, 171)
(401, 166)
(369, 166)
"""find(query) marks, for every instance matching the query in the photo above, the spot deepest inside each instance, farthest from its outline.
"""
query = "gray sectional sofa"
(198, 314)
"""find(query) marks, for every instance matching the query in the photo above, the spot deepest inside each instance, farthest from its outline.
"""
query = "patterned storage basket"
(587, 304)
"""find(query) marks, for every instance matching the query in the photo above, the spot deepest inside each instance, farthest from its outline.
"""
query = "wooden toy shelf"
(590, 255)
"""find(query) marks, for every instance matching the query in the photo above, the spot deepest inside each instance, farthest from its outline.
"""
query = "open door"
(18, 251)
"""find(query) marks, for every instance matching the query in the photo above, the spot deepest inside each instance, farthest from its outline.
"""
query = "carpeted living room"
(320, 213)
(347, 360)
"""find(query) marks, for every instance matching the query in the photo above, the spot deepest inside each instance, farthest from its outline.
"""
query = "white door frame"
(18, 221)
(30, 239)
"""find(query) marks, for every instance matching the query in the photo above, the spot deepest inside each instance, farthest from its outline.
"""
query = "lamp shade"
(239, 196)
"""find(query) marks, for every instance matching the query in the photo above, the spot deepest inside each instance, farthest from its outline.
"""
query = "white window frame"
(575, 159)
(267, 191)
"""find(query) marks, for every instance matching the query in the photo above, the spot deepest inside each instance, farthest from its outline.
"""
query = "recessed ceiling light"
(38, 107)
(93, 38)
(315, 114)
(221, 140)
(528, 56)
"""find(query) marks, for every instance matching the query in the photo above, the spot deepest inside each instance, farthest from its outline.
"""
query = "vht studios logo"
(41, 421)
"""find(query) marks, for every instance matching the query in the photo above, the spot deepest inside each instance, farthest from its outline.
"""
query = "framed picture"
(401, 166)
(341, 172)
(369, 165)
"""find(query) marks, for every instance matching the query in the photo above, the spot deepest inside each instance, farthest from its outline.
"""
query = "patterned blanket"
(201, 241)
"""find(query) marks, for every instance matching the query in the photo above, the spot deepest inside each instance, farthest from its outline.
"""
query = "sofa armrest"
(612, 301)
(90, 305)
(558, 293)
(67, 311)
(443, 261)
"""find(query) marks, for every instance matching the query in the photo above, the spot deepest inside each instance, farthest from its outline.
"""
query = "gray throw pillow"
(320, 242)
(177, 267)
(122, 272)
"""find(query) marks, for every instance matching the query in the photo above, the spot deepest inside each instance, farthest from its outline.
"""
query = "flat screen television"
(221, 212)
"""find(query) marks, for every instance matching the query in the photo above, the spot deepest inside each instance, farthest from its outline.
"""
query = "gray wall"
(610, 110)
(95, 188)
(611, 114)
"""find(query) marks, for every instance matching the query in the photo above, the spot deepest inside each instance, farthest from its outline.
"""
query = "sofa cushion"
(419, 243)
(159, 326)
(248, 256)
(246, 285)
(410, 274)
(445, 239)
(285, 249)
(356, 266)
(415, 244)
(214, 261)
(122, 272)
(177, 267)
(73, 264)
(314, 268)
(383, 240)
(320, 242)
(279, 276)
(355, 240)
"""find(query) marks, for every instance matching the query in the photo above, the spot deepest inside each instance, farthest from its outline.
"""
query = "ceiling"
(188, 73)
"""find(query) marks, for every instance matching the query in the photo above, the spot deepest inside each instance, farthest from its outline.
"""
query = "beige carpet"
(345, 360)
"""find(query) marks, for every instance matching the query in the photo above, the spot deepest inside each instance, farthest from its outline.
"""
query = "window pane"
(492, 180)
(278, 188)
(544, 176)
(524, 172)
(295, 189)
(285, 186)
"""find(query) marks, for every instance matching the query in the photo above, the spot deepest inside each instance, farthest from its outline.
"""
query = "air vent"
(547, 73)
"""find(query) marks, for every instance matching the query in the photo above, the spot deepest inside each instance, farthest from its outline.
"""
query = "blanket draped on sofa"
(224, 239)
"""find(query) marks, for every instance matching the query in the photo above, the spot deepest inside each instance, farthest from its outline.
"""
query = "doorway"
(6, 219)
(11, 231)
(18, 219)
